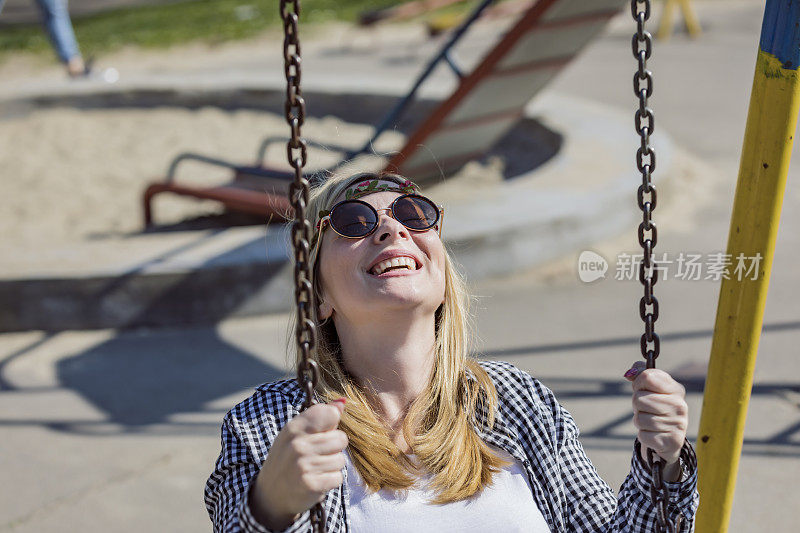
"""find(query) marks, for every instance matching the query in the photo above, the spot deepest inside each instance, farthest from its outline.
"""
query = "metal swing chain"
(307, 371)
(642, 47)
(296, 153)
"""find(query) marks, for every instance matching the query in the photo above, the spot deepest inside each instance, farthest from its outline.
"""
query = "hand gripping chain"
(296, 153)
(642, 46)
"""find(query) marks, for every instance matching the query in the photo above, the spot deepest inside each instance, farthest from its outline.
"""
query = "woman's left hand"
(660, 412)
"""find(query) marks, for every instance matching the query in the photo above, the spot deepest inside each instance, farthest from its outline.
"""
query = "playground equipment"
(545, 38)
(767, 148)
(689, 18)
(650, 344)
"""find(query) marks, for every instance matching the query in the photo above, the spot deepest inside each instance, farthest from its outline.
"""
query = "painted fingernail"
(338, 403)
(635, 370)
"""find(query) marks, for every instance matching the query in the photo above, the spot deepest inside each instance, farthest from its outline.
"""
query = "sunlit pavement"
(106, 431)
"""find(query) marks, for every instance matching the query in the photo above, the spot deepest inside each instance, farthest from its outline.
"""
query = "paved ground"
(100, 429)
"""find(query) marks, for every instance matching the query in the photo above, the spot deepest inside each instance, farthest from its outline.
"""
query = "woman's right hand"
(304, 463)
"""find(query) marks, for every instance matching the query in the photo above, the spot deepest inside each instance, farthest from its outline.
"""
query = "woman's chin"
(395, 297)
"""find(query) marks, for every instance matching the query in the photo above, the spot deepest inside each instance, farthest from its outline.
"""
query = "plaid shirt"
(530, 425)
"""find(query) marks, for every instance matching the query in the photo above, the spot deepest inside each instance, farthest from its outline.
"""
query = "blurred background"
(123, 343)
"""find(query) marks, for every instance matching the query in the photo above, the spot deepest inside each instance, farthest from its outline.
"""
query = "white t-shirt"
(506, 506)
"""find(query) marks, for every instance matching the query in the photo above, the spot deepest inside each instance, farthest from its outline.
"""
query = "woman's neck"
(391, 358)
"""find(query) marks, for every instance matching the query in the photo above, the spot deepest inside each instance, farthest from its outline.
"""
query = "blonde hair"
(445, 442)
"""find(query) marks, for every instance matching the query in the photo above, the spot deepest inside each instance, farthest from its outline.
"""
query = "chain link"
(650, 343)
(296, 154)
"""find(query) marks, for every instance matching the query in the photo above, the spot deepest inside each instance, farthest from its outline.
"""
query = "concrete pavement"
(106, 431)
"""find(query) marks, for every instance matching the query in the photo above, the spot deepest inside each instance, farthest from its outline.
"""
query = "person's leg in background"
(55, 17)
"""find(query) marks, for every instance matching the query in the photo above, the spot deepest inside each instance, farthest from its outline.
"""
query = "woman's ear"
(325, 310)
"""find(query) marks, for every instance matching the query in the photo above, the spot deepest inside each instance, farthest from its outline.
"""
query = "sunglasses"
(355, 219)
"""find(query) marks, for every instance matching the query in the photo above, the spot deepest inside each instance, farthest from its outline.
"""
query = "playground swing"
(546, 36)
(307, 371)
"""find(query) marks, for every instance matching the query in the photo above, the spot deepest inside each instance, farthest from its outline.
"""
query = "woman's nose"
(389, 227)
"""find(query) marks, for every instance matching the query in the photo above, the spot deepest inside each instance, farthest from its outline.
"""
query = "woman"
(412, 434)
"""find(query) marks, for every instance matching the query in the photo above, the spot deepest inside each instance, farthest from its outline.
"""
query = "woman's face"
(352, 288)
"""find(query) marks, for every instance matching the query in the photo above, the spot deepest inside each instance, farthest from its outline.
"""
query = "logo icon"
(591, 266)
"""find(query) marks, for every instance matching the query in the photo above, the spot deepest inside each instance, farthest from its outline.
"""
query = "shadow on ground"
(141, 381)
(610, 434)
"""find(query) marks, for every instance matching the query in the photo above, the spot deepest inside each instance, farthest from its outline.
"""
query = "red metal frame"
(240, 199)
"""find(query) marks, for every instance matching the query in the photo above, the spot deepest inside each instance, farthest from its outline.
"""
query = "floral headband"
(371, 186)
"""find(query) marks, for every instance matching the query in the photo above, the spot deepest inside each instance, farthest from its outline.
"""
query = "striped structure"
(490, 100)
(768, 138)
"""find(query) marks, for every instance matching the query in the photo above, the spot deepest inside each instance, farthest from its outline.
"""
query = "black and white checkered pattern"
(530, 425)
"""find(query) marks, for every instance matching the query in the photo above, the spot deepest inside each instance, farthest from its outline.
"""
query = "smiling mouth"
(402, 263)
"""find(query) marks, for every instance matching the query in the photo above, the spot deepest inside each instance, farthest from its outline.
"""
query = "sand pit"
(73, 175)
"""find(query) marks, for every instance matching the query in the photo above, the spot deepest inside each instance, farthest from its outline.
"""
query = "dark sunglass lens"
(416, 212)
(353, 219)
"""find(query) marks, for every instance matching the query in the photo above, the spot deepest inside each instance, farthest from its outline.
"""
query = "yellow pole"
(692, 24)
(665, 24)
(771, 122)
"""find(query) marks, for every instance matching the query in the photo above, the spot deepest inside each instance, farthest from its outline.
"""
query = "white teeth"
(403, 261)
